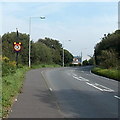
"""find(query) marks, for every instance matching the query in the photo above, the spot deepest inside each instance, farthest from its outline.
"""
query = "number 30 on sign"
(17, 46)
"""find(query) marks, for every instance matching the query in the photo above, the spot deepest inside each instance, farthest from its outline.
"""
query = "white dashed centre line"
(100, 87)
(50, 89)
(80, 78)
(94, 86)
(117, 97)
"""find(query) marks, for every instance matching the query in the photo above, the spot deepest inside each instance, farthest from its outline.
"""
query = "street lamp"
(63, 53)
(41, 17)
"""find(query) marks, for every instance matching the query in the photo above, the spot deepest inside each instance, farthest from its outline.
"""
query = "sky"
(83, 23)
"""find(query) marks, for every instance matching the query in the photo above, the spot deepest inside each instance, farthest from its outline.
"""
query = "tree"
(91, 61)
(108, 59)
(43, 51)
(40, 53)
(85, 62)
(57, 51)
(68, 57)
(7, 46)
(110, 42)
(51, 43)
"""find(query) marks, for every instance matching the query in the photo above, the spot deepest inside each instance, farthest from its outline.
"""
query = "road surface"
(81, 94)
(66, 93)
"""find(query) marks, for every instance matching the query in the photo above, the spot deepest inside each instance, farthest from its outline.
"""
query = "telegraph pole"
(17, 46)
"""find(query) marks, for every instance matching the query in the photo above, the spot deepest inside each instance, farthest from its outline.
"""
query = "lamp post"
(64, 54)
(41, 17)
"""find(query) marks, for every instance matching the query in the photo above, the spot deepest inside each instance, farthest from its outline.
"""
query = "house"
(76, 60)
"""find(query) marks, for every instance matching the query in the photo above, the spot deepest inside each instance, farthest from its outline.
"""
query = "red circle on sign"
(17, 47)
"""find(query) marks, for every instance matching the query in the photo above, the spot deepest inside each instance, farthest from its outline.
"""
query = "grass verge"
(45, 66)
(109, 73)
(11, 85)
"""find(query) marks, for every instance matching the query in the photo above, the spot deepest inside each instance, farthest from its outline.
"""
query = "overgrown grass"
(45, 66)
(11, 85)
(109, 73)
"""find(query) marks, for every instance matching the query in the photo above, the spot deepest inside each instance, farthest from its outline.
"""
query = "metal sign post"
(17, 48)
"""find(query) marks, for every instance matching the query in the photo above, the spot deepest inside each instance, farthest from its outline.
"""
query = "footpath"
(36, 100)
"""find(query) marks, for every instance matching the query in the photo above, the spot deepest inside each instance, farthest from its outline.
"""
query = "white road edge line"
(50, 89)
(94, 86)
(117, 97)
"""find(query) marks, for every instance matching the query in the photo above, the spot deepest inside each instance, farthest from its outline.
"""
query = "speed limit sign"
(17, 46)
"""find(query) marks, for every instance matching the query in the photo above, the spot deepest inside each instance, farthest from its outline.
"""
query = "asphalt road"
(81, 94)
(66, 93)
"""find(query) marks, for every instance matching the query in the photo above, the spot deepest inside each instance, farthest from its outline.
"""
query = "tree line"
(47, 50)
(107, 51)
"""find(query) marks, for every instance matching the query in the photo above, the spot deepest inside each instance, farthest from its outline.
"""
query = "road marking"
(97, 86)
(74, 74)
(50, 89)
(77, 78)
(94, 86)
(105, 88)
(117, 97)
(80, 78)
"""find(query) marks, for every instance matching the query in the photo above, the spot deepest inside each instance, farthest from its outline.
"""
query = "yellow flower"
(12, 63)
(6, 59)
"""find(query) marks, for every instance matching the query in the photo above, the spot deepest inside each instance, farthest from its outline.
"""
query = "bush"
(8, 67)
(109, 59)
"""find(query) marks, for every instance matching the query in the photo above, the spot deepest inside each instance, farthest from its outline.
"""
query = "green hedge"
(109, 73)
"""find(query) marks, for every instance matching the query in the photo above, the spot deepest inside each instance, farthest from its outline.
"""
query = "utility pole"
(119, 15)
(29, 42)
(17, 46)
(63, 55)
(81, 58)
(30, 18)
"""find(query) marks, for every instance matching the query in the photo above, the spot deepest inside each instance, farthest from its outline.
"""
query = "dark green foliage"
(108, 50)
(45, 51)
(7, 46)
(7, 69)
(57, 51)
(51, 43)
(41, 53)
(91, 61)
(68, 57)
(85, 62)
(55, 48)
(108, 59)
